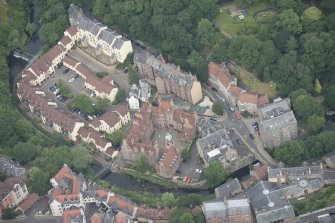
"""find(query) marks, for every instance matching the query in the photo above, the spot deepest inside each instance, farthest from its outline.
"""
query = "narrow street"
(239, 126)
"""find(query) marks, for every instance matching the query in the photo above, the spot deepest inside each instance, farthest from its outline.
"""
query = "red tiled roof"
(165, 105)
(221, 73)
(121, 218)
(233, 89)
(83, 132)
(263, 100)
(69, 214)
(170, 157)
(70, 60)
(121, 204)
(96, 218)
(111, 118)
(28, 202)
(248, 98)
(66, 172)
(122, 110)
(72, 30)
(65, 40)
(96, 123)
(54, 52)
(152, 214)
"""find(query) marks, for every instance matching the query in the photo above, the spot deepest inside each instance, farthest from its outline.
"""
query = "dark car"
(238, 141)
(214, 89)
(254, 124)
(66, 70)
(256, 128)
(251, 136)
(178, 171)
(52, 88)
(98, 114)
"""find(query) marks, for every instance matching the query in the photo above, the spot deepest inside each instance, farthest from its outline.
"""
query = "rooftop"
(295, 172)
(228, 189)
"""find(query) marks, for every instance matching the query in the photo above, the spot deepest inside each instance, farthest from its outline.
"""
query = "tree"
(205, 31)
(80, 158)
(101, 74)
(305, 106)
(9, 213)
(83, 102)
(317, 87)
(142, 164)
(190, 200)
(30, 29)
(290, 21)
(115, 137)
(311, 14)
(217, 108)
(185, 154)
(249, 25)
(315, 124)
(290, 152)
(101, 105)
(133, 76)
(120, 96)
(38, 181)
(24, 152)
(24, 129)
(215, 173)
(198, 64)
(168, 200)
(64, 89)
(330, 97)
(186, 218)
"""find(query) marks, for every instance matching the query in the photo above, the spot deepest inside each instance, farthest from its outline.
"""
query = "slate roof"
(269, 203)
(228, 189)
(10, 168)
(295, 172)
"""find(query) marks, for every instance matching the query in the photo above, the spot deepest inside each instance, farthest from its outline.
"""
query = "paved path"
(242, 130)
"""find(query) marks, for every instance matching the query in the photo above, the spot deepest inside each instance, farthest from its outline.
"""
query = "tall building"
(168, 78)
(277, 123)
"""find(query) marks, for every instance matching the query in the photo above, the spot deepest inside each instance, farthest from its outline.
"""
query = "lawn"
(3, 12)
(256, 86)
(265, 4)
(228, 25)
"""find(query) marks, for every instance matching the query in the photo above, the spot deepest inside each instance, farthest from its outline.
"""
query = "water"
(130, 183)
(17, 65)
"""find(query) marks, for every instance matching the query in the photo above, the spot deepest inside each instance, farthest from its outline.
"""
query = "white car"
(198, 170)
(71, 80)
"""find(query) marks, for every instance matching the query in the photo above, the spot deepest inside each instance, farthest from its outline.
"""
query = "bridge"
(22, 55)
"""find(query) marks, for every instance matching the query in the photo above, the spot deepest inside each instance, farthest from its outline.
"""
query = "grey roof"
(299, 187)
(327, 219)
(140, 57)
(329, 157)
(295, 172)
(10, 168)
(217, 140)
(74, 12)
(275, 109)
(206, 127)
(108, 35)
(228, 189)
(211, 209)
(134, 91)
(278, 122)
(238, 206)
(329, 175)
(145, 89)
(119, 42)
(269, 203)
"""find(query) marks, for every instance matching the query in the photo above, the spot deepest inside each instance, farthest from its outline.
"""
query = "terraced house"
(168, 78)
(97, 35)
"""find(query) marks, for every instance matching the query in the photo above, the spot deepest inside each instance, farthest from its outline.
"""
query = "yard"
(232, 26)
(3, 12)
(256, 86)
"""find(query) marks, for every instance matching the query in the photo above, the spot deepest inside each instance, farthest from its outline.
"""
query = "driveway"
(194, 162)
(255, 146)
(118, 76)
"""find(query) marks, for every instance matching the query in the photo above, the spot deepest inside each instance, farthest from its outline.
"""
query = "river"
(17, 65)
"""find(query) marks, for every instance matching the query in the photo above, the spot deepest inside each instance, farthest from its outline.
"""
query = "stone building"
(168, 78)
(277, 123)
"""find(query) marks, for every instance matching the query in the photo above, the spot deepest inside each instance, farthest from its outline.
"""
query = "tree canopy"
(215, 173)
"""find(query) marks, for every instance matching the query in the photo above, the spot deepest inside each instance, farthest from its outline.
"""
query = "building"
(214, 144)
(74, 216)
(147, 214)
(330, 159)
(220, 78)
(145, 90)
(134, 103)
(268, 202)
(230, 211)
(98, 86)
(66, 192)
(47, 111)
(13, 190)
(169, 162)
(277, 123)
(9, 168)
(284, 175)
(168, 78)
(228, 189)
(248, 102)
(28, 202)
(97, 35)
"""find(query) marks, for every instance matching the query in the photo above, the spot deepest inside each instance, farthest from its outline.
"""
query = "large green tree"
(80, 158)
(315, 124)
(305, 106)
(215, 173)
(290, 152)
(168, 200)
(24, 152)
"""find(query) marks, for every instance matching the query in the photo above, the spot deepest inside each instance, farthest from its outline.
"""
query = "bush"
(133, 76)
(246, 114)
(115, 137)
(101, 74)
(217, 108)
(120, 96)
(185, 154)
(64, 89)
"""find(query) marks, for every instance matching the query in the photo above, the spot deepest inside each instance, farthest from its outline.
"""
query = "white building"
(134, 103)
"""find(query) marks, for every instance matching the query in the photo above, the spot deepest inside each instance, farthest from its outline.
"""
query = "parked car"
(52, 88)
(254, 123)
(77, 75)
(178, 171)
(65, 70)
(238, 141)
(256, 128)
(214, 89)
(71, 80)
(198, 170)
(237, 115)
(56, 91)
(232, 109)
(251, 136)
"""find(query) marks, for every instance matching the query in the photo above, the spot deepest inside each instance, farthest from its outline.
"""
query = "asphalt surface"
(241, 130)
(36, 219)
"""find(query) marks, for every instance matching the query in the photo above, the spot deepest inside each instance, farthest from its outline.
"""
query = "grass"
(3, 12)
(228, 25)
(256, 86)
(265, 4)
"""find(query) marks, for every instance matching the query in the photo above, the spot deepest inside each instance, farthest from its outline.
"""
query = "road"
(241, 130)
(36, 219)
